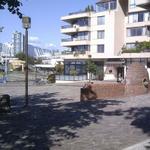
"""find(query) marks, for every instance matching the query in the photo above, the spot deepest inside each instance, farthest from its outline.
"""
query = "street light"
(26, 21)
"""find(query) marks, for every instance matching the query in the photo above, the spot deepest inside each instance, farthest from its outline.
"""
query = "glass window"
(148, 31)
(100, 48)
(147, 16)
(132, 4)
(138, 31)
(148, 64)
(101, 20)
(81, 36)
(133, 18)
(82, 22)
(113, 4)
(100, 34)
(81, 48)
(140, 16)
(104, 6)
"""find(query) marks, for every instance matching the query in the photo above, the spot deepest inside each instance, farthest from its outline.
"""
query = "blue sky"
(45, 16)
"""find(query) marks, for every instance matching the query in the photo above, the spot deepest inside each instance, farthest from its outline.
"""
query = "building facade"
(109, 35)
(17, 42)
(6, 49)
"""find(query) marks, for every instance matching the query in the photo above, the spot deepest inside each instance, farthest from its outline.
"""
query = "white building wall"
(115, 27)
(119, 29)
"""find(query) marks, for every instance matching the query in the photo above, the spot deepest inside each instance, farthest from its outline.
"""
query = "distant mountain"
(36, 51)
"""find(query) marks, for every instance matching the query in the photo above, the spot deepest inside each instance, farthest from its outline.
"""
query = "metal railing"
(67, 40)
(71, 78)
(66, 26)
(74, 26)
(78, 12)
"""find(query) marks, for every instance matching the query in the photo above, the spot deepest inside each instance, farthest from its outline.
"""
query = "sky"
(45, 20)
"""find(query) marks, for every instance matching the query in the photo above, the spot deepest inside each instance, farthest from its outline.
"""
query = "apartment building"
(17, 42)
(108, 35)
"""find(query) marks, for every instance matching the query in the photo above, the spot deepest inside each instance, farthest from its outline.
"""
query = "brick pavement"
(56, 120)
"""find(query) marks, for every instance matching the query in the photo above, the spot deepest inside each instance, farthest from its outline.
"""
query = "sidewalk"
(140, 146)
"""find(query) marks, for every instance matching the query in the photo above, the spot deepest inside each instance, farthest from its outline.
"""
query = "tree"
(73, 73)
(12, 5)
(91, 68)
(59, 68)
(89, 8)
(38, 61)
(22, 56)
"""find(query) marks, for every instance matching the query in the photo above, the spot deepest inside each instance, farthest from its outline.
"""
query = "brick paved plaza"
(57, 120)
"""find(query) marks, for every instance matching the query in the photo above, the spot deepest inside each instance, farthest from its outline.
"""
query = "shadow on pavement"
(140, 118)
(48, 121)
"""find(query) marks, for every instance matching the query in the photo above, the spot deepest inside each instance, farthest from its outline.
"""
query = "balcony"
(74, 42)
(68, 29)
(76, 54)
(143, 3)
(72, 16)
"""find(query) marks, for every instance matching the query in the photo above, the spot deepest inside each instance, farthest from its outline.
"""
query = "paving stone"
(57, 120)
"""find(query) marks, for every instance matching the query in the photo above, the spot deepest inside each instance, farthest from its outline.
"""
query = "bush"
(51, 78)
(139, 47)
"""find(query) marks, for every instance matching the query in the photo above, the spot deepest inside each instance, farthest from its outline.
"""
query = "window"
(148, 31)
(132, 4)
(83, 22)
(100, 34)
(113, 4)
(81, 36)
(100, 48)
(138, 17)
(104, 6)
(81, 48)
(101, 20)
(148, 64)
(138, 31)
(147, 16)
(133, 18)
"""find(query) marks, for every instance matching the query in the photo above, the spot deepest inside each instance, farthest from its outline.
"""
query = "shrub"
(139, 47)
(51, 78)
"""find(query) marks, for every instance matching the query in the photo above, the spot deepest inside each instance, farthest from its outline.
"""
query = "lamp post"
(26, 21)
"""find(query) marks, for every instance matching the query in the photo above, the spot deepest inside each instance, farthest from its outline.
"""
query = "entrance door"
(120, 74)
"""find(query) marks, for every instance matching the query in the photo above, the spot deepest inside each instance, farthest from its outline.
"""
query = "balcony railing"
(67, 40)
(71, 78)
(74, 26)
(77, 52)
(66, 26)
(71, 40)
(79, 12)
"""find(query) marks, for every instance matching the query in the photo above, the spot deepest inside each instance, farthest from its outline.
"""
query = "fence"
(71, 78)
(3, 79)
